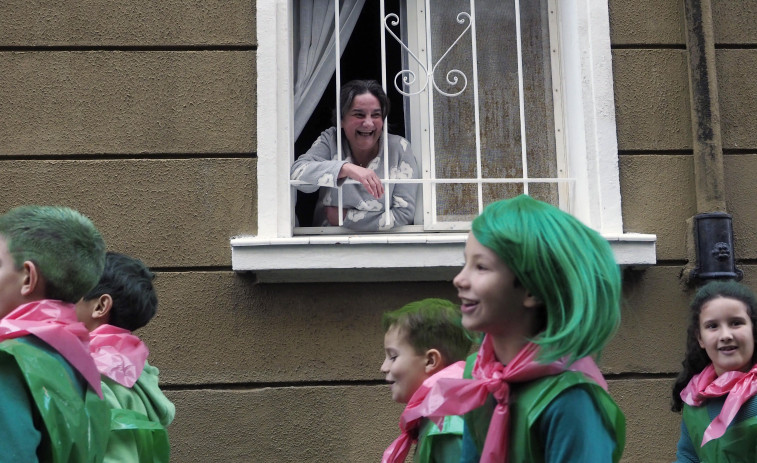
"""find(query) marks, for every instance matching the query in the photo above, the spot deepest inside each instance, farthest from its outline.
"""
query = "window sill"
(406, 257)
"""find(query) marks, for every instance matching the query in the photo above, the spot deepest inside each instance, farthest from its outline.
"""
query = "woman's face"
(363, 123)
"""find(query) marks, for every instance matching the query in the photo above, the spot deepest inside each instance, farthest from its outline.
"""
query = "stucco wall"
(142, 115)
(657, 183)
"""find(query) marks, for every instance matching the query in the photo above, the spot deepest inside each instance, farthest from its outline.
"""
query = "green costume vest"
(134, 438)
(528, 401)
(738, 444)
(75, 427)
(453, 426)
(138, 416)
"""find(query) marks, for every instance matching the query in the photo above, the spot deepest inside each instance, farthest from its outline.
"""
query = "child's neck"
(509, 339)
(507, 347)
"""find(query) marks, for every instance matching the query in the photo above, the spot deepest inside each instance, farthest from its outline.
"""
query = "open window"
(497, 98)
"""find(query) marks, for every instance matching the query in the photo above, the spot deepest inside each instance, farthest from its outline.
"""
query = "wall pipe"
(712, 254)
(705, 108)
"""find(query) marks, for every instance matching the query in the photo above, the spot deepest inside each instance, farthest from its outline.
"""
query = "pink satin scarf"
(398, 450)
(118, 354)
(55, 323)
(739, 386)
(459, 396)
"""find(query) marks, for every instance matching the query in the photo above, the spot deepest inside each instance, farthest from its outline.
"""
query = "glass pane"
(499, 106)
(537, 83)
(546, 192)
(496, 191)
(456, 202)
(453, 117)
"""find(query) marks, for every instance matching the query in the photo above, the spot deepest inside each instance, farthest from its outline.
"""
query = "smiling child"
(545, 290)
(717, 387)
(424, 341)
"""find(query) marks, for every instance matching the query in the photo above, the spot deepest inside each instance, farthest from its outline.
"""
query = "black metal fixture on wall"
(713, 232)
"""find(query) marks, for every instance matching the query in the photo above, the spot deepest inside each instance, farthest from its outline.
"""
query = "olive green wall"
(141, 114)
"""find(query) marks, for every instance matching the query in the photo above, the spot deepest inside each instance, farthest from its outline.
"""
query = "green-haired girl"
(545, 289)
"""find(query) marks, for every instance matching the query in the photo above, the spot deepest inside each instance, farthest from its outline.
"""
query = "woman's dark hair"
(696, 358)
(354, 88)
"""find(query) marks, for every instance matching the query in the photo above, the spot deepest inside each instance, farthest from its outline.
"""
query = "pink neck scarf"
(118, 354)
(739, 386)
(55, 323)
(459, 396)
(398, 450)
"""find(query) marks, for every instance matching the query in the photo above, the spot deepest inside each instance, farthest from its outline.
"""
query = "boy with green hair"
(424, 341)
(124, 300)
(49, 407)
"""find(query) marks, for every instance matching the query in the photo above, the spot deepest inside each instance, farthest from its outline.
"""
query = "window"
(563, 103)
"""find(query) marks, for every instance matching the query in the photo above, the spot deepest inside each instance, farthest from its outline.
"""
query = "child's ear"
(33, 285)
(102, 308)
(433, 361)
(699, 339)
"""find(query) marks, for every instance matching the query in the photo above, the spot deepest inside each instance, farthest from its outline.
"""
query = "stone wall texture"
(142, 115)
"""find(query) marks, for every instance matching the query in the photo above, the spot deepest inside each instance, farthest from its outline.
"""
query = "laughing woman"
(363, 108)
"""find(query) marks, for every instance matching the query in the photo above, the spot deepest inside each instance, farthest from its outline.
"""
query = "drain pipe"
(710, 246)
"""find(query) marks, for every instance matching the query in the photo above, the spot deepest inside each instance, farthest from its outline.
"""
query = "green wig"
(564, 263)
(65, 246)
(432, 324)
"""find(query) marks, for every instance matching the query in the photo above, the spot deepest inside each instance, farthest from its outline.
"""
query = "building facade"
(143, 115)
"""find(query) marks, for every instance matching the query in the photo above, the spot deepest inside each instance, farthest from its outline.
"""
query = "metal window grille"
(483, 106)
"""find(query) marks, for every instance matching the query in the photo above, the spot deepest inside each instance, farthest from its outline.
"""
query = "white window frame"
(590, 143)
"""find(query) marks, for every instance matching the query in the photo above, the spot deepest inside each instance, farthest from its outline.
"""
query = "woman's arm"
(369, 214)
(318, 167)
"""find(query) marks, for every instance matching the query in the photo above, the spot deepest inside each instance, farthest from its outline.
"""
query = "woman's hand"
(366, 177)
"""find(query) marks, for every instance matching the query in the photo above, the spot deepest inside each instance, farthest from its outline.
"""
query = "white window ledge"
(406, 257)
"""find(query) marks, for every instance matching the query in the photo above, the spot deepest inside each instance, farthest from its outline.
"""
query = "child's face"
(405, 369)
(486, 287)
(11, 281)
(725, 333)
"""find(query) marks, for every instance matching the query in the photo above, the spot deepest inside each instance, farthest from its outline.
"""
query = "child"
(49, 409)
(424, 341)
(545, 290)
(123, 301)
(718, 383)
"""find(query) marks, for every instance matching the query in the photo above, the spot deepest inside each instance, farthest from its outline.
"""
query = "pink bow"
(118, 354)
(739, 386)
(459, 396)
(55, 323)
(398, 450)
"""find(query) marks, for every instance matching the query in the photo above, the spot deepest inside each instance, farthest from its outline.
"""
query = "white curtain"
(314, 51)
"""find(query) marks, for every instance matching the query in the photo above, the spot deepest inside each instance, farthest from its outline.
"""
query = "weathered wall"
(657, 183)
(142, 115)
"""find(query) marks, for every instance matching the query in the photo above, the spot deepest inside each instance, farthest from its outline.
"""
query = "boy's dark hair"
(129, 283)
(64, 245)
(354, 88)
(696, 358)
(432, 324)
